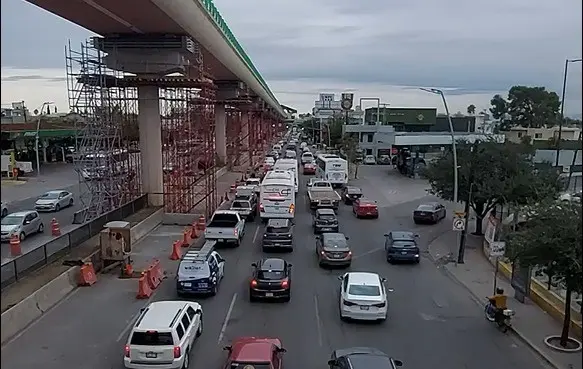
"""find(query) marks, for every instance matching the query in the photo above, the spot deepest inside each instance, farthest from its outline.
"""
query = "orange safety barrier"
(193, 231)
(157, 270)
(15, 249)
(201, 224)
(87, 275)
(152, 278)
(144, 290)
(186, 238)
(128, 270)
(55, 228)
(176, 253)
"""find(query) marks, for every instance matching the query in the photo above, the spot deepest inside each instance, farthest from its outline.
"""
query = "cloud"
(473, 49)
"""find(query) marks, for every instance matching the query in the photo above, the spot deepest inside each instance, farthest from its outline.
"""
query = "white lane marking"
(255, 235)
(227, 318)
(368, 252)
(131, 322)
(35, 322)
(318, 320)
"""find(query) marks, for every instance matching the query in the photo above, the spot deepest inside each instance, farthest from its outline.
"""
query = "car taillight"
(291, 208)
(380, 305)
(261, 208)
(322, 253)
(236, 232)
(126, 350)
(254, 283)
(284, 284)
(348, 303)
(349, 253)
(177, 352)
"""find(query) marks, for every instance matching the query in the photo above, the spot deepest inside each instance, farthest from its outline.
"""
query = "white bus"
(333, 169)
(291, 165)
(277, 198)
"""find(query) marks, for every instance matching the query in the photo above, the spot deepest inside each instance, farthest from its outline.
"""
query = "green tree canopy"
(495, 174)
(551, 237)
(532, 107)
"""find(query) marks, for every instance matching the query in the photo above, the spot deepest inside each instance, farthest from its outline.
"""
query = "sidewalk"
(531, 324)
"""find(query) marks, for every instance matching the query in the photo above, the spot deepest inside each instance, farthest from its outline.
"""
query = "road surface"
(23, 196)
(433, 322)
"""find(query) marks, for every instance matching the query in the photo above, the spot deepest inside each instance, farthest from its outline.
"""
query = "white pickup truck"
(322, 195)
(226, 226)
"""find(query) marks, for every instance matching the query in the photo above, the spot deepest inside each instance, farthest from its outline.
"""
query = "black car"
(362, 358)
(351, 193)
(271, 279)
(325, 220)
(402, 246)
(278, 235)
(431, 212)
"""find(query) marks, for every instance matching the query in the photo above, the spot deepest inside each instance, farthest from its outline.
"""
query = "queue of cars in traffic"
(165, 331)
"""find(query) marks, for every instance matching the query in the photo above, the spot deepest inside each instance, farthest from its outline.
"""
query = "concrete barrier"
(179, 219)
(21, 315)
(31, 308)
(141, 229)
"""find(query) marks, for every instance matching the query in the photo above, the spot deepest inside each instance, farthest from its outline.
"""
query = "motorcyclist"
(499, 303)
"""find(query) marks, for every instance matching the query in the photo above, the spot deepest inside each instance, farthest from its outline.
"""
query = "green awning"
(44, 133)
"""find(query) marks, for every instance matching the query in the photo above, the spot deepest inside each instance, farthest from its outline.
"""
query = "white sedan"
(54, 200)
(369, 160)
(363, 296)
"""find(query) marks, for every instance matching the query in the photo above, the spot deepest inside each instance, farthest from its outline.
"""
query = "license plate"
(403, 252)
(364, 308)
(188, 284)
(268, 294)
(151, 355)
(221, 240)
(338, 256)
(326, 229)
(203, 285)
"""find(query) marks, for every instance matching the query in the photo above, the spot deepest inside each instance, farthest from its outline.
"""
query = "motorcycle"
(503, 320)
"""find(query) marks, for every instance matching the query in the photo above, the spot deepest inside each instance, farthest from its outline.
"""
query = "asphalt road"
(433, 322)
(64, 217)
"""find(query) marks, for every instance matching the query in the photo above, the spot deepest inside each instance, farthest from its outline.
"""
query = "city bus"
(333, 169)
(277, 196)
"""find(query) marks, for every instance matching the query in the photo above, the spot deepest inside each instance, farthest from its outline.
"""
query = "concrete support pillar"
(151, 144)
(221, 133)
(45, 145)
(245, 121)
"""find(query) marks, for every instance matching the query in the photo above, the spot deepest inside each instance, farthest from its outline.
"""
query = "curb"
(477, 299)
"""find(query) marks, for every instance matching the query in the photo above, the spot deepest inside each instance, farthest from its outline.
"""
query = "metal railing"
(34, 259)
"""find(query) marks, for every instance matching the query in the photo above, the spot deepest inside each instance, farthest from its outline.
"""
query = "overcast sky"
(382, 48)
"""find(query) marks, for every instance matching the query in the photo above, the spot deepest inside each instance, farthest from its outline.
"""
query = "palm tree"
(471, 109)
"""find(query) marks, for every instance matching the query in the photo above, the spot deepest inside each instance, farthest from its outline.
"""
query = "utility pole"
(463, 236)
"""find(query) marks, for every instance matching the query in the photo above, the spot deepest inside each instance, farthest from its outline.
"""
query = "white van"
(163, 335)
(277, 198)
(307, 157)
(291, 165)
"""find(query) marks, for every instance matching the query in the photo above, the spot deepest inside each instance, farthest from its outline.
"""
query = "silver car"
(22, 223)
(4, 209)
(54, 201)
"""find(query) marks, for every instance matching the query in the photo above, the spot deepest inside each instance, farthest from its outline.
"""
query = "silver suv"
(22, 223)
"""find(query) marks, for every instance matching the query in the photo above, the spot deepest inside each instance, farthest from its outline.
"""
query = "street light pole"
(562, 113)
(453, 144)
(36, 139)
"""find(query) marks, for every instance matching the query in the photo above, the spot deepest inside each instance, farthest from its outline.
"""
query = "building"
(17, 113)
(517, 134)
(327, 107)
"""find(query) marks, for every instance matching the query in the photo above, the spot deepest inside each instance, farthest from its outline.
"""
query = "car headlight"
(15, 230)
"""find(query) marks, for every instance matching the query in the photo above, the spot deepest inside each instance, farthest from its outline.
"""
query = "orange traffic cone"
(55, 228)
(176, 253)
(201, 224)
(193, 232)
(15, 249)
(186, 238)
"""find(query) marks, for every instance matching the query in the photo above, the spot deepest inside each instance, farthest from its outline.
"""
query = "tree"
(471, 109)
(551, 238)
(531, 107)
(493, 173)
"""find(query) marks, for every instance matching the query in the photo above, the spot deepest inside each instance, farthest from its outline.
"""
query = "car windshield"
(271, 274)
(335, 242)
(12, 220)
(50, 195)
(354, 191)
(425, 208)
(247, 365)
(152, 338)
(240, 205)
(404, 244)
(327, 217)
(360, 290)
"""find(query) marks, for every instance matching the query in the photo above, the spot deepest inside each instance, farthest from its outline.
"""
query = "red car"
(365, 208)
(255, 352)
(309, 168)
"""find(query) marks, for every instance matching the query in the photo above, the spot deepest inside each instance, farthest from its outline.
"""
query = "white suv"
(363, 296)
(163, 335)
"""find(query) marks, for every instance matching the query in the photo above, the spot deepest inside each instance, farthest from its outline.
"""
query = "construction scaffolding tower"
(107, 158)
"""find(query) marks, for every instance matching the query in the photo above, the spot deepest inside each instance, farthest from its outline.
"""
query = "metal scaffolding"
(107, 156)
